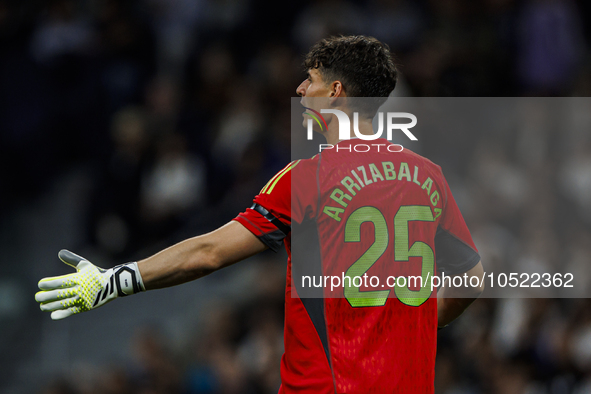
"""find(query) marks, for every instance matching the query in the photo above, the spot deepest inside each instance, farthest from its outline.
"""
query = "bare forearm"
(180, 263)
(449, 309)
(453, 301)
(199, 256)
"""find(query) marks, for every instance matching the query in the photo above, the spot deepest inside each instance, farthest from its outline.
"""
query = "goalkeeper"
(365, 342)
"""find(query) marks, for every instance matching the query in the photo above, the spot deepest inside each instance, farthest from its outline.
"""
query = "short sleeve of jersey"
(454, 248)
(276, 198)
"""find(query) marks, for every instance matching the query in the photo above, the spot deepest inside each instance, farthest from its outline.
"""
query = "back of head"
(363, 64)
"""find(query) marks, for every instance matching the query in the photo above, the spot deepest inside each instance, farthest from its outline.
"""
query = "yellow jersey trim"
(271, 185)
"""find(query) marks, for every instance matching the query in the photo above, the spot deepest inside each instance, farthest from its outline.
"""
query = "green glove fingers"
(54, 295)
(69, 280)
(89, 288)
(61, 304)
(57, 282)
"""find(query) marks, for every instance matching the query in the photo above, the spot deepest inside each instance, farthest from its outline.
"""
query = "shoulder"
(302, 168)
(432, 169)
(411, 155)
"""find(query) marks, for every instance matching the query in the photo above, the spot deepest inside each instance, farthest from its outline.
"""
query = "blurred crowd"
(178, 111)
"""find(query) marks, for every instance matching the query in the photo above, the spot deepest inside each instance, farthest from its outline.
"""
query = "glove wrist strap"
(127, 279)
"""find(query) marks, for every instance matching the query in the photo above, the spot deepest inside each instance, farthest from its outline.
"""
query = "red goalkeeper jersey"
(378, 215)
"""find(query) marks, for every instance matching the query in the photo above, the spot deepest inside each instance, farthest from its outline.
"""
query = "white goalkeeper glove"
(88, 288)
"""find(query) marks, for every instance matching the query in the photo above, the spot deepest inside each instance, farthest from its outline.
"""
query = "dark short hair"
(363, 64)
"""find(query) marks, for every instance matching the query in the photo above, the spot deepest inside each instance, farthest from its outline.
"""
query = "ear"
(336, 90)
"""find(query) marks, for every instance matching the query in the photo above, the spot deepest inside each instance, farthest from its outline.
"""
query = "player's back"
(377, 216)
(367, 223)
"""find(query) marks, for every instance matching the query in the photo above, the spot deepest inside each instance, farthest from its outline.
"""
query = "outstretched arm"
(91, 287)
(453, 301)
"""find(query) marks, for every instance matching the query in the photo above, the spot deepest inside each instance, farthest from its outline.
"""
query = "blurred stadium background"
(126, 126)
